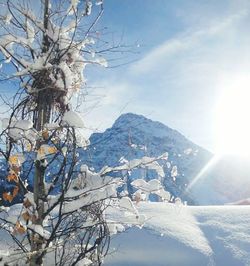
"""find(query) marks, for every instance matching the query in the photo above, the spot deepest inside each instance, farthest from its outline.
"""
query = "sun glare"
(232, 119)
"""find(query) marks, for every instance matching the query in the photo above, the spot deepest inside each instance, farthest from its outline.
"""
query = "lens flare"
(232, 119)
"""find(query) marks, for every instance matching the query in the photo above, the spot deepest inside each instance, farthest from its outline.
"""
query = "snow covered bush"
(53, 208)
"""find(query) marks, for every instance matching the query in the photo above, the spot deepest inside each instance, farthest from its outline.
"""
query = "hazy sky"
(188, 52)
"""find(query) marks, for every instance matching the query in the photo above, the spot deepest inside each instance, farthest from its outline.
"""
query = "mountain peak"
(134, 119)
(129, 117)
(129, 121)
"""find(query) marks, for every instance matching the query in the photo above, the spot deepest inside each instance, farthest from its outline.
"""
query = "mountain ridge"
(133, 136)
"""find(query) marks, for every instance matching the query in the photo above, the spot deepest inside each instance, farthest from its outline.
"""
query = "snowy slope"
(133, 136)
(178, 235)
(182, 235)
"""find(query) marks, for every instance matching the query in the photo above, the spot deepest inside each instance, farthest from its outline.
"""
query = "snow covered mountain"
(222, 180)
(134, 136)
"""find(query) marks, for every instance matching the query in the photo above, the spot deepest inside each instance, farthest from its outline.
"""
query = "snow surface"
(174, 235)
(184, 235)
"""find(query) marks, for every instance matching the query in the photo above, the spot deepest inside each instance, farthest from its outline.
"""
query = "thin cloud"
(185, 41)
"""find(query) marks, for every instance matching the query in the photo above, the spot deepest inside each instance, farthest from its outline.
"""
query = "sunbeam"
(203, 171)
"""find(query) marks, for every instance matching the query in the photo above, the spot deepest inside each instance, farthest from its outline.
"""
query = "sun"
(232, 118)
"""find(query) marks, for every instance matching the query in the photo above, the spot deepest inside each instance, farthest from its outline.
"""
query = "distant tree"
(60, 217)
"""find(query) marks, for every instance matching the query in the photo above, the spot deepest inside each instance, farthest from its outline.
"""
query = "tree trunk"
(41, 116)
(39, 195)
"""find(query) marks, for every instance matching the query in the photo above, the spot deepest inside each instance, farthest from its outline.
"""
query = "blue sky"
(189, 51)
(185, 54)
